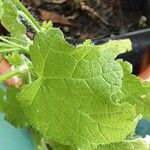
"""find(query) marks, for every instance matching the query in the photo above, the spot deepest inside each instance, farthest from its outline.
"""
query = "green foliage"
(10, 19)
(126, 145)
(1, 9)
(72, 94)
(134, 91)
(12, 108)
(118, 47)
(14, 59)
(75, 97)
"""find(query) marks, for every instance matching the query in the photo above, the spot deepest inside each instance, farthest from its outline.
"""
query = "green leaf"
(14, 59)
(137, 144)
(70, 102)
(57, 146)
(1, 9)
(11, 107)
(39, 141)
(11, 21)
(2, 96)
(117, 47)
(135, 91)
(42, 145)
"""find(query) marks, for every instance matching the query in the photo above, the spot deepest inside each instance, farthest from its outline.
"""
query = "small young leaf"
(11, 21)
(14, 59)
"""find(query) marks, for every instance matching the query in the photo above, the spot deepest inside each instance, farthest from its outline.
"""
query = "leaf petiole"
(15, 45)
(12, 73)
(8, 75)
(28, 15)
(8, 50)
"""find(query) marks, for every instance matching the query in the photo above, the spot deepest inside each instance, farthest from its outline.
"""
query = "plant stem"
(19, 70)
(28, 16)
(26, 49)
(9, 75)
(8, 50)
(28, 20)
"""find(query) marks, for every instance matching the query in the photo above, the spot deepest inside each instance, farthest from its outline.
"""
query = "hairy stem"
(8, 50)
(9, 75)
(19, 70)
(28, 16)
(15, 45)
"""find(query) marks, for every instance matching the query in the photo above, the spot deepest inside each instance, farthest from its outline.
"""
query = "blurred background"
(84, 19)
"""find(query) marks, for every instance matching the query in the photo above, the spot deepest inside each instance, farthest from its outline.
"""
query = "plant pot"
(12, 138)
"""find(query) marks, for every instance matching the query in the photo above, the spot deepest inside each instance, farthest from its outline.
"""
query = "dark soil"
(84, 19)
(92, 19)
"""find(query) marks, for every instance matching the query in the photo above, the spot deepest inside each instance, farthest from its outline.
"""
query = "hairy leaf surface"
(12, 108)
(10, 19)
(134, 91)
(70, 102)
(126, 145)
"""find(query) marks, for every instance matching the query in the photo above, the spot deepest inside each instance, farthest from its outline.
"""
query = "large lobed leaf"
(70, 102)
